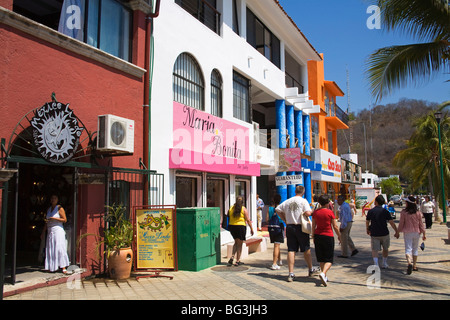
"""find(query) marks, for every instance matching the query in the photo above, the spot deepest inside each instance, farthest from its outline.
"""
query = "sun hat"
(410, 199)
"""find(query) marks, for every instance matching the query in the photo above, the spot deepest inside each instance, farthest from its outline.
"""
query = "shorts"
(278, 238)
(296, 238)
(378, 242)
(237, 232)
(324, 246)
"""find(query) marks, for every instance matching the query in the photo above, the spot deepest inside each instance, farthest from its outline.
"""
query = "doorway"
(31, 191)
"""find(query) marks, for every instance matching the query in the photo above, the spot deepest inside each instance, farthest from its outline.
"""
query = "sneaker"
(291, 277)
(280, 263)
(323, 278)
(230, 262)
(313, 271)
(275, 267)
(385, 266)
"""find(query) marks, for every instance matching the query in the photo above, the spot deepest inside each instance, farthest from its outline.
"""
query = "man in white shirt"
(290, 211)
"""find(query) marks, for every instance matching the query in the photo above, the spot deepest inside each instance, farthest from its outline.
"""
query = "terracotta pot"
(119, 263)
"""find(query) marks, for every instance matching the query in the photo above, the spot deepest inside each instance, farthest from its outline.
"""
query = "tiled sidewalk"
(348, 278)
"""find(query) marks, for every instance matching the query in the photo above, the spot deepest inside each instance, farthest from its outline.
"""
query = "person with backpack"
(276, 232)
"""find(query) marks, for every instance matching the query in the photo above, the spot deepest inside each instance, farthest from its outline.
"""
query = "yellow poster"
(155, 238)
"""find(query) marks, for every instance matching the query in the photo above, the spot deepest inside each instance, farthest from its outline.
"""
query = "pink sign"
(204, 142)
(290, 160)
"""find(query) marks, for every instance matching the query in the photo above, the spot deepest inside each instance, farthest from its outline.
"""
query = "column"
(307, 135)
(290, 126)
(280, 109)
(298, 119)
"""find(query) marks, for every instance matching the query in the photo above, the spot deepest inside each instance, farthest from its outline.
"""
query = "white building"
(219, 66)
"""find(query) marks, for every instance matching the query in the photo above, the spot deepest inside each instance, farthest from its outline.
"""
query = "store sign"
(290, 160)
(204, 142)
(331, 166)
(288, 180)
(155, 243)
(56, 132)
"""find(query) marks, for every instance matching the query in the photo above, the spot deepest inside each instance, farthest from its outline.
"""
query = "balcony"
(203, 11)
(337, 117)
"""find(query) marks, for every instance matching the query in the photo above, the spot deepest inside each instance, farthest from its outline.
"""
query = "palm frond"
(422, 19)
(395, 67)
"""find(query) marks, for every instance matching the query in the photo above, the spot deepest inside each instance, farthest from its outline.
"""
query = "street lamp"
(438, 117)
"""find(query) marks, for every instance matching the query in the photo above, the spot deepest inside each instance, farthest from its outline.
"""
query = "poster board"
(155, 238)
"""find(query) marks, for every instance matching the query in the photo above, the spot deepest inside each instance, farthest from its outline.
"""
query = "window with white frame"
(216, 93)
(188, 83)
(241, 97)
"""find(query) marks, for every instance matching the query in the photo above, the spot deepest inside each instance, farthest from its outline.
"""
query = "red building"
(104, 72)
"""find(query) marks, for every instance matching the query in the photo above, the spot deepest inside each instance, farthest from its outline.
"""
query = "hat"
(410, 199)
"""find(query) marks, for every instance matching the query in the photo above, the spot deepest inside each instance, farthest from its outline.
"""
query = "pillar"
(307, 135)
(290, 126)
(280, 110)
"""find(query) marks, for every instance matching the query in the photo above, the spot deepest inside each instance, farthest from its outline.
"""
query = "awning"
(196, 161)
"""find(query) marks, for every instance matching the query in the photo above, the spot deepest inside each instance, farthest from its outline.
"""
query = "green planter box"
(198, 238)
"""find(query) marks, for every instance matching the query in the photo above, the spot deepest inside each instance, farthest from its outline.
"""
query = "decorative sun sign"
(56, 132)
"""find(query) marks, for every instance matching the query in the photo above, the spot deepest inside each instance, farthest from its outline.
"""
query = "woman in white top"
(427, 207)
(56, 247)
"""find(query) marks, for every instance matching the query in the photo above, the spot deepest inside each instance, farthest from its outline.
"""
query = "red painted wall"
(31, 69)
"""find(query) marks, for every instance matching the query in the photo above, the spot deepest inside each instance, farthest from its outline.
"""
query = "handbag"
(306, 224)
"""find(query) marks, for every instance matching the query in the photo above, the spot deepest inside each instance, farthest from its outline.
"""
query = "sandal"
(238, 263)
(415, 269)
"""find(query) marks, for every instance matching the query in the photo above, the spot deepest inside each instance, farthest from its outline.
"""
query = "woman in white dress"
(56, 247)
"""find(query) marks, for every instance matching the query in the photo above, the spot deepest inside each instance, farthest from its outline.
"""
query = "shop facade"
(215, 92)
(56, 91)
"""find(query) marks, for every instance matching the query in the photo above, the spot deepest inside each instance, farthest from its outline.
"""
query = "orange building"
(324, 126)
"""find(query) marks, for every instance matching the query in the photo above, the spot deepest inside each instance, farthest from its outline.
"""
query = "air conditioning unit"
(115, 134)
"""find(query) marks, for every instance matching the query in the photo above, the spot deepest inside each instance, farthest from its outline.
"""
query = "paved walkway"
(348, 278)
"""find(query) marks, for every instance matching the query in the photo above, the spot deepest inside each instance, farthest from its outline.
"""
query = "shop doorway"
(217, 195)
(30, 193)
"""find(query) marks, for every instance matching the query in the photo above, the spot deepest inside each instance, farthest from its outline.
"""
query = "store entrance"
(30, 198)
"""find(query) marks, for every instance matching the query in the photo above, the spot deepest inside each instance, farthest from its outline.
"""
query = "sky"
(338, 29)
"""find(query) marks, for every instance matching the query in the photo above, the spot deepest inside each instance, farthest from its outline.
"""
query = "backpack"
(275, 226)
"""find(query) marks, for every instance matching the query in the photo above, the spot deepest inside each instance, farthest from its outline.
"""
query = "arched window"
(188, 83)
(216, 93)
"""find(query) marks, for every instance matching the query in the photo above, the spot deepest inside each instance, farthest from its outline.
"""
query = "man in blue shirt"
(346, 219)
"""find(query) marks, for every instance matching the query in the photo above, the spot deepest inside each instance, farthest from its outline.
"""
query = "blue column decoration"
(299, 128)
(307, 182)
(290, 126)
(280, 109)
(307, 135)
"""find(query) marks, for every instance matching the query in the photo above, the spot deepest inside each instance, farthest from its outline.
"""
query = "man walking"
(346, 219)
(259, 209)
(290, 211)
(376, 225)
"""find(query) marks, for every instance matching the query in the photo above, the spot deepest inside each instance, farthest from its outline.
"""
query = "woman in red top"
(323, 223)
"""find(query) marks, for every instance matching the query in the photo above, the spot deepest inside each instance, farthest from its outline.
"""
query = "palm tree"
(421, 157)
(393, 67)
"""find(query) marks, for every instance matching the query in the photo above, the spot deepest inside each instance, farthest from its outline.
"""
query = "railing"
(341, 114)
(203, 11)
(291, 83)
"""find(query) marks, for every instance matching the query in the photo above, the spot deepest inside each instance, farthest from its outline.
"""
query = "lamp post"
(438, 117)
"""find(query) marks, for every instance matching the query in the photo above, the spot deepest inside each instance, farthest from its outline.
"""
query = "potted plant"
(118, 238)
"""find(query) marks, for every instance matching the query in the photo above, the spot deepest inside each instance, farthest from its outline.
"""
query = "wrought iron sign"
(56, 132)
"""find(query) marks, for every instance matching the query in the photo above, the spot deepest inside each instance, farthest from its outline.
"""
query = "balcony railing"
(203, 11)
(341, 114)
(291, 83)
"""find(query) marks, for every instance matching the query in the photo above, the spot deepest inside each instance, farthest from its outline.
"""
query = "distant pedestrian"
(323, 223)
(376, 225)
(259, 209)
(346, 219)
(276, 229)
(411, 225)
(427, 207)
(290, 211)
(239, 217)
